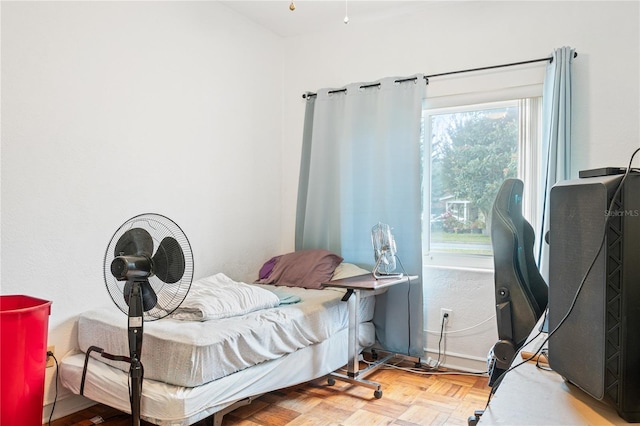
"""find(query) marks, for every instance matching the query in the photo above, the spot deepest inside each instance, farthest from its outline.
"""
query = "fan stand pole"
(135, 348)
(136, 389)
(375, 268)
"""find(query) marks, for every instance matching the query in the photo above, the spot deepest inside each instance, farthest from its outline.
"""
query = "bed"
(196, 368)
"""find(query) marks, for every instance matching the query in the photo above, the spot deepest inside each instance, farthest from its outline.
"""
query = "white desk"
(362, 286)
(531, 396)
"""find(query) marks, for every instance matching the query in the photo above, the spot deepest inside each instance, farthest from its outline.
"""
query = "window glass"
(471, 150)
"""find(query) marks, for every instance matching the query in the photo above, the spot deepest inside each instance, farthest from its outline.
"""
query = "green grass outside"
(451, 237)
(441, 237)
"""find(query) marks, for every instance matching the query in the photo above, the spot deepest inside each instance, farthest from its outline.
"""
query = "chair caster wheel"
(377, 394)
(331, 381)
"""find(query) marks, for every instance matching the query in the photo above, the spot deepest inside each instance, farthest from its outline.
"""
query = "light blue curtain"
(556, 141)
(361, 164)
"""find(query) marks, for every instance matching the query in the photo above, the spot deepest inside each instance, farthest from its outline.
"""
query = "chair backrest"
(517, 278)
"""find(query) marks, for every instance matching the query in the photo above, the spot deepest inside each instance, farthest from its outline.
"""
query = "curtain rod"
(427, 77)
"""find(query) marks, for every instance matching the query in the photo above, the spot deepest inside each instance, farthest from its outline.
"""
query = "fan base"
(382, 275)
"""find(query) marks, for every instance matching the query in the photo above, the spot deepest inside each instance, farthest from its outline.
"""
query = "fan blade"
(168, 262)
(136, 241)
(385, 256)
(149, 297)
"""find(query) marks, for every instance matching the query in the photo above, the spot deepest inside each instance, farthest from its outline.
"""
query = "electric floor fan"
(384, 250)
(148, 269)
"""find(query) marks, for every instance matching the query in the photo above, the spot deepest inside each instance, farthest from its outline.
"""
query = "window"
(469, 150)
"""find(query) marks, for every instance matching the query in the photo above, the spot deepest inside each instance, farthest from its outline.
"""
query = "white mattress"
(192, 353)
(169, 405)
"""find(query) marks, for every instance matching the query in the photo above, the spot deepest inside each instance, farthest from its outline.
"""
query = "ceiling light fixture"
(292, 7)
(346, 11)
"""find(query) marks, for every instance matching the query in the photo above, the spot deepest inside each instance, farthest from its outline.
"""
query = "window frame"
(529, 141)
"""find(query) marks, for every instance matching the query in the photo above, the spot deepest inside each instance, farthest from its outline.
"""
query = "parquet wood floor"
(408, 399)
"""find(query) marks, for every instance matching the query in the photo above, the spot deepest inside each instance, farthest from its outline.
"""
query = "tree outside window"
(473, 150)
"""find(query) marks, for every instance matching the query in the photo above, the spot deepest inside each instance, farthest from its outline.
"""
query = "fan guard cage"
(384, 248)
(170, 295)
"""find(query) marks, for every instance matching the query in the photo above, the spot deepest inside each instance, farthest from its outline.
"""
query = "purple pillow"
(306, 268)
(266, 269)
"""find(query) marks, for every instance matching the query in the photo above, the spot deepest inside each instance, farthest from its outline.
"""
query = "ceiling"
(317, 15)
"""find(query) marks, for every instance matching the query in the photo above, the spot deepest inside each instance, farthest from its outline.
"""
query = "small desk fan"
(148, 269)
(384, 249)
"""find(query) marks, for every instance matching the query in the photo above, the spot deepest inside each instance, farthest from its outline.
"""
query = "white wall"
(112, 109)
(445, 36)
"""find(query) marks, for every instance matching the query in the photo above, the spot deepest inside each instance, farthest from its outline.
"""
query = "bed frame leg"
(216, 418)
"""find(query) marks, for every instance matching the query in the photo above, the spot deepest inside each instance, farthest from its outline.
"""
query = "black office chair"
(521, 292)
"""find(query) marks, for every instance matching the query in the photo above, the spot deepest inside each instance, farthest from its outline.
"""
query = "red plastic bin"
(24, 325)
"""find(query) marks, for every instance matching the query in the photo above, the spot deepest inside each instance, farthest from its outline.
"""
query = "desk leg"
(353, 367)
(354, 374)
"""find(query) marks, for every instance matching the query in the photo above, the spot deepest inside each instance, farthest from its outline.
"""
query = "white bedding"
(218, 296)
(193, 353)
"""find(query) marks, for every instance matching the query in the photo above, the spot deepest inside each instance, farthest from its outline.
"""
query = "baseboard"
(65, 407)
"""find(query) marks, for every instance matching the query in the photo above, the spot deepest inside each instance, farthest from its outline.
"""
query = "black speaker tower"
(597, 348)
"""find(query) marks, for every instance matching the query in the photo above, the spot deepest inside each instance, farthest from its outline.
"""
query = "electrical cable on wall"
(463, 329)
(440, 353)
(55, 398)
(404, 271)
